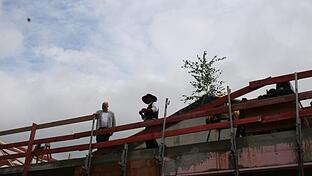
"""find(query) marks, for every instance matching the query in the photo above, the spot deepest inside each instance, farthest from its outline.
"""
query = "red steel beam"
(279, 79)
(253, 85)
(304, 112)
(104, 131)
(15, 150)
(48, 125)
(222, 100)
(12, 156)
(244, 105)
(137, 138)
(221, 125)
(29, 149)
(151, 136)
(4, 162)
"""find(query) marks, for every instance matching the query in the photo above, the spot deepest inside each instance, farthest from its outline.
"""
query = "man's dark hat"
(148, 98)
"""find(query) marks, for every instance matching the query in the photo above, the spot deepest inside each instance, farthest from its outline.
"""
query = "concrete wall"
(194, 137)
(134, 168)
(269, 152)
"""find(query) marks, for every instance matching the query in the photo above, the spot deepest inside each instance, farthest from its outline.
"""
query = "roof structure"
(268, 134)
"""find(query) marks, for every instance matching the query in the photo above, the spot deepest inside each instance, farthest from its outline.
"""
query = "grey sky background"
(75, 54)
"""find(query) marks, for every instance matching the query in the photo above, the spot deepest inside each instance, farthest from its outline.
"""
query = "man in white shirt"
(105, 119)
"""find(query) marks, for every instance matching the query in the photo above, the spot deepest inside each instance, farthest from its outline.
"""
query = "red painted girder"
(222, 100)
(137, 138)
(15, 150)
(29, 149)
(279, 79)
(253, 85)
(221, 125)
(4, 162)
(303, 113)
(22, 149)
(254, 103)
(12, 156)
(150, 136)
(244, 105)
(103, 131)
(49, 124)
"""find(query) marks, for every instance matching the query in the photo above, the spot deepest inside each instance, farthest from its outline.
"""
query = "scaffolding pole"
(28, 157)
(89, 156)
(298, 131)
(161, 152)
(233, 136)
(124, 159)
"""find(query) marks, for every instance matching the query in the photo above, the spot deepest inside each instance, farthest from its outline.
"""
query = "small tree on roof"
(206, 77)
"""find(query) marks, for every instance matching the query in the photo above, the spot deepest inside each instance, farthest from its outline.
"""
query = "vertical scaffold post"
(124, 159)
(89, 156)
(162, 147)
(233, 136)
(298, 132)
(28, 157)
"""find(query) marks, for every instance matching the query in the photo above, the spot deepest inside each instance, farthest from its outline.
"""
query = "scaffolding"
(212, 108)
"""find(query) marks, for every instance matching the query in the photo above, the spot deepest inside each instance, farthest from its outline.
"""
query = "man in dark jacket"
(149, 113)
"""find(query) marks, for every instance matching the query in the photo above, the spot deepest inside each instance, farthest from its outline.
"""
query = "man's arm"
(113, 120)
(98, 119)
(154, 107)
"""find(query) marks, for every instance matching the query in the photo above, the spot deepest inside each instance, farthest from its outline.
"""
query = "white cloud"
(11, 40)
(77, 54)
(85, 61)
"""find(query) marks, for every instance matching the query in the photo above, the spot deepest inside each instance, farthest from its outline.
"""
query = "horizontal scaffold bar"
(221, 125)
(173, 119)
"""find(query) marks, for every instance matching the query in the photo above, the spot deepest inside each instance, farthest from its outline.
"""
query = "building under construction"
(231, 135)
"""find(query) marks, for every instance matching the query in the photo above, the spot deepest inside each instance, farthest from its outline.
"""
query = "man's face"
(105, 106)
(147, 101)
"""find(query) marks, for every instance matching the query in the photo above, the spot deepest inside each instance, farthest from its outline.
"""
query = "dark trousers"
(102, 137)
(151, 143)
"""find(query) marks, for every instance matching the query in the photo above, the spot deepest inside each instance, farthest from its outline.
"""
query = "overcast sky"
(74, 54)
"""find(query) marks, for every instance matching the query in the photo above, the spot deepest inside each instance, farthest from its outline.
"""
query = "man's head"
(105, 106)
